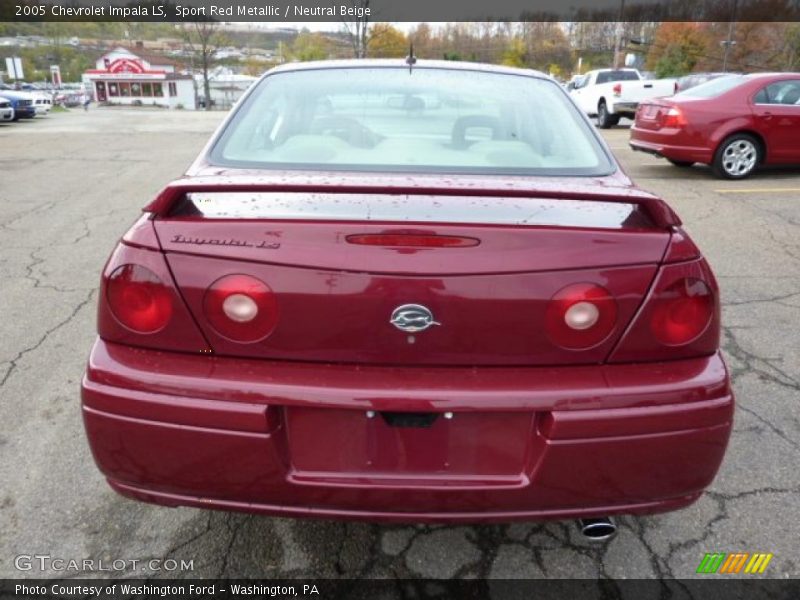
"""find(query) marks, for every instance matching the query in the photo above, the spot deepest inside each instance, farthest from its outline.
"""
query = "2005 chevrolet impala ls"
(408, 292)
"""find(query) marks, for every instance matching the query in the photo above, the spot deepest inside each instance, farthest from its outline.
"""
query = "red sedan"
(414, 293)
(734, 123)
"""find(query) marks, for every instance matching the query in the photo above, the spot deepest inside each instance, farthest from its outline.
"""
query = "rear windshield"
(606, 76)
(427, 120)
(713, 88)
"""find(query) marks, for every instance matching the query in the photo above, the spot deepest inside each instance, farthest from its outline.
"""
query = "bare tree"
(203, 38)
(358, 30)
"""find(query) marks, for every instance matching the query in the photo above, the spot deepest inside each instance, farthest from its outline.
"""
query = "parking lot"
(71, 183)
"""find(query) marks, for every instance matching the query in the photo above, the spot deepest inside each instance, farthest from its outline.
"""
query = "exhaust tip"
(599, 529)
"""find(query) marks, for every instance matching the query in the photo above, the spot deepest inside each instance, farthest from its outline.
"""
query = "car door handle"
(766, 115)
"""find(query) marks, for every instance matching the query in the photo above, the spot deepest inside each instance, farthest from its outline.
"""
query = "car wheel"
(737, 157)
(605, 120)
(681, 163)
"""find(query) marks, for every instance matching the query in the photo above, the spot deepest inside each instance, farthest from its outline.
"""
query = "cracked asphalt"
(71, 183)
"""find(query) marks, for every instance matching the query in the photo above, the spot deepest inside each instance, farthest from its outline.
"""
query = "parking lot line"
(776, 190)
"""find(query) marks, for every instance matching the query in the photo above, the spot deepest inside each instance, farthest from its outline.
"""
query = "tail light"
(580, 316)
(617, 89)
(679, 318)
(139, 304)
(241, 308)
(673, 118)
(681, 312)
(139, 299)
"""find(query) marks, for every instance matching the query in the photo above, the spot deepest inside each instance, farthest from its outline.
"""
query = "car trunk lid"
(338, 298)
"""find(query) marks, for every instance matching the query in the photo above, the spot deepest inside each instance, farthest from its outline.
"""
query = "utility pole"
(729, 42)
(620, 31)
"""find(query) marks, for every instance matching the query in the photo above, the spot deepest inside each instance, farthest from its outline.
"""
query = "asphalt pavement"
(70, 185)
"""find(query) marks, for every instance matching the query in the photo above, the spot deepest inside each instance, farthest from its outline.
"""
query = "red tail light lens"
(682, 312)
(680, 317)
(580, 316)
(241, 308)
(139, 299)
(617, 89)
(673, 118)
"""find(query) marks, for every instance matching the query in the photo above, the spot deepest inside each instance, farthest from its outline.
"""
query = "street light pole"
(729, 42)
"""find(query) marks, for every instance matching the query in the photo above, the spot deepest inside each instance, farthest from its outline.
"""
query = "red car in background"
(734, 123)
(413, 293)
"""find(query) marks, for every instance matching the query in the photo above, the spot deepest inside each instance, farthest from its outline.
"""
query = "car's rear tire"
(737, 156)
(604, 119)
(683, 164)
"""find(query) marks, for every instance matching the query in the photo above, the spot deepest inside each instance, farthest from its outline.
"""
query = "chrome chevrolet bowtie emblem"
(412, 318)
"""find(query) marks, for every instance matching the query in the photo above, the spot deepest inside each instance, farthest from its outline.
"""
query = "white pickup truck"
(609, 94)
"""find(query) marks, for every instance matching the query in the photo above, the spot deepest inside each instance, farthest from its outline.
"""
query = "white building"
(226, 86)
(124, 77)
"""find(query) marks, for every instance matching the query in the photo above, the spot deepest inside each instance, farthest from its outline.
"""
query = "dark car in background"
(734, 123)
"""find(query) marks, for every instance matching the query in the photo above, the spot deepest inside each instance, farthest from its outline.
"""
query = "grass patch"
(58, 108)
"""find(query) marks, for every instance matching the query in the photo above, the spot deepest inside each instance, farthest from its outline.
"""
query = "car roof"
(769, 75)
(421, 63)
(612, 69)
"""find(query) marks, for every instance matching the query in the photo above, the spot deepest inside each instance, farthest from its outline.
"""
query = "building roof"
(153, 59)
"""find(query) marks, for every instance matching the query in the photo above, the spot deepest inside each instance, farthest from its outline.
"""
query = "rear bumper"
(625, 109)
(283, 438)
(664, 144)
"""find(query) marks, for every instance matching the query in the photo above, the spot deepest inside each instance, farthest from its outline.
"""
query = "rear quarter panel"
(726, 127)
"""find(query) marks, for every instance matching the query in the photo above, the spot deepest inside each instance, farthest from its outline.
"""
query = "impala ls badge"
(412, 318)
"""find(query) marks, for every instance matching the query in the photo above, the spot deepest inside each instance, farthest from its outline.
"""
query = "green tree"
(674, 63)
(516, 53)
(310, 46)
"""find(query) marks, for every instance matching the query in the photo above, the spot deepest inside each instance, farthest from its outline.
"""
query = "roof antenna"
(411, 60)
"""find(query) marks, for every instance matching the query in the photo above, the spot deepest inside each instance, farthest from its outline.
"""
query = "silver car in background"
(6, 110)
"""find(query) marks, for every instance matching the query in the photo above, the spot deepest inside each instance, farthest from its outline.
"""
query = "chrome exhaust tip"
(598, 529)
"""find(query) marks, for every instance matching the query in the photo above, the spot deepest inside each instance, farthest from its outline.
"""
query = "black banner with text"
(711, 588)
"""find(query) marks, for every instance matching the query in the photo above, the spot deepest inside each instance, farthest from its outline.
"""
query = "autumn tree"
(677, 48)
(546, 44)
(791, 47)
(422, 38)
(759, 46)
(386, 41)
